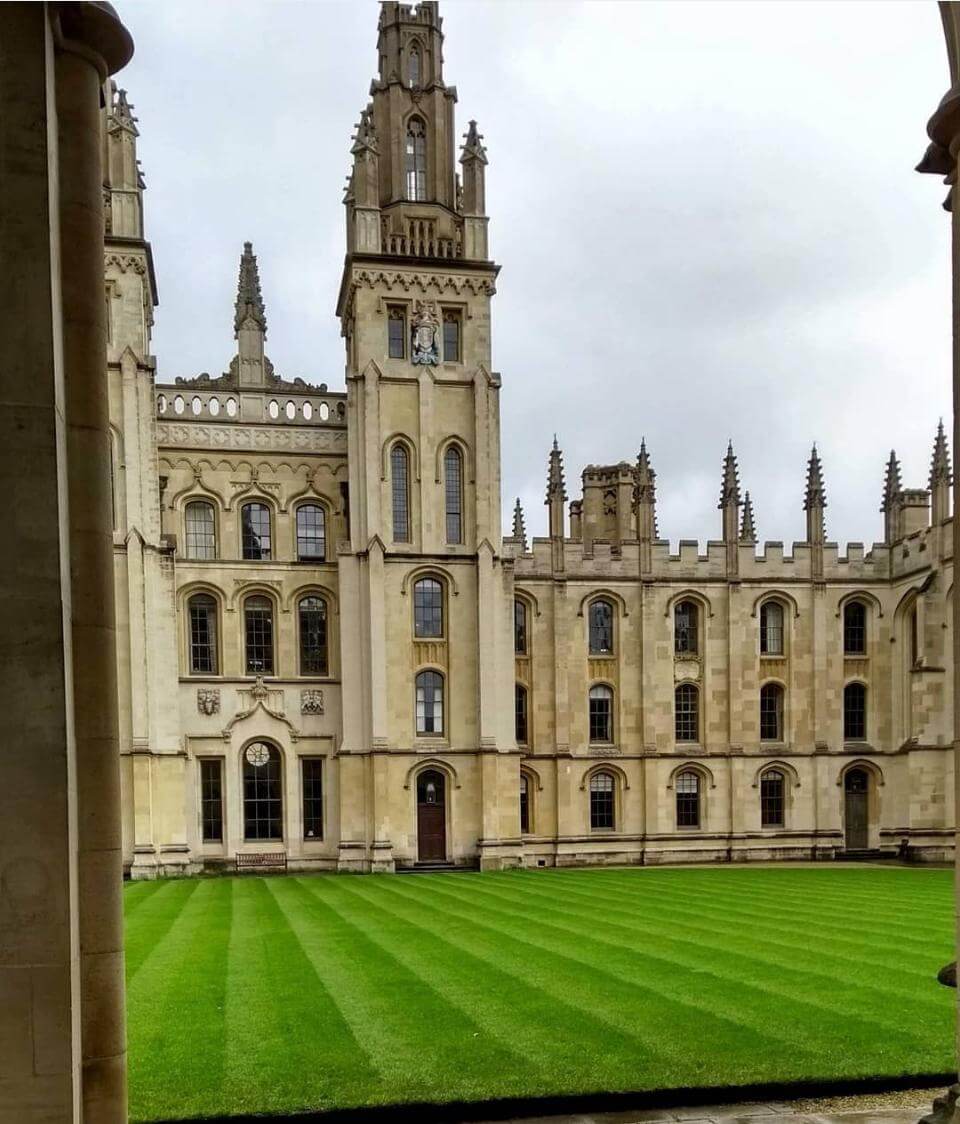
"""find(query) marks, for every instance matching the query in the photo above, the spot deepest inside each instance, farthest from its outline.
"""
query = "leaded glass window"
(854, 712)
(400, 488)
(687, 713)
(258, 627)
(262, 792)
(416, 160)
(771, 628)
(451, 336)
(413, 67)
(686, 640)
(203, 634)
(396, 332)
(211, 800)
(311, 775)
(520, 712)
(313, 635)
(255, 524)
(428, 609)
(772, 786)
(429, 686)
(201, 530)
(601, 714)
(771, 713)
(602, 801)
(601, 628)
(524, 804)
(311, 533)
(687, 787)
(453, 490)
(855, 628)
(519, 626)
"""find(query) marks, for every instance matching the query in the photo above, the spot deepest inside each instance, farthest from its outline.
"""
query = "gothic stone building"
(330, 651)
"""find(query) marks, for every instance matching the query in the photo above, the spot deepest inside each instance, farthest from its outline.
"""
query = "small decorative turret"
(519, 525)
(472, 203)
(363, 190)
(891, 502)
(122, 179)
(748, 532)
(645, 504)
(556, 498)
(250, 321)
(941, 477)
(730, 496)
(815, 499)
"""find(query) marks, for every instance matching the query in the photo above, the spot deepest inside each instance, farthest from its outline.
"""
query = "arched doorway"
(856, 817)
(431, 817)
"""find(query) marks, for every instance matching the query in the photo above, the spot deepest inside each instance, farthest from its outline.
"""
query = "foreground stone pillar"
(61, 958)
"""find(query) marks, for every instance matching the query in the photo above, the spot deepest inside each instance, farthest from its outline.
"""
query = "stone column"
(61, 958)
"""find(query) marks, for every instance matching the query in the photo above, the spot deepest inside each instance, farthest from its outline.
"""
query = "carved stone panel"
(311, 702)
(686, 669)
(208, 700)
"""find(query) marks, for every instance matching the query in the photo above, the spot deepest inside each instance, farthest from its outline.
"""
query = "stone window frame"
(271, 505)
(698, 740)
(324, 505)
(208, 501)
(865, 687)
(786, 611)
(606, 685)
(185, 595)
(298, 599)
(428, 573)
(783, 723)
(443, 733)
(271, 596)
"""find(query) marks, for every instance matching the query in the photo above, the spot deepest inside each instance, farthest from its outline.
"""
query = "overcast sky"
(706, 214)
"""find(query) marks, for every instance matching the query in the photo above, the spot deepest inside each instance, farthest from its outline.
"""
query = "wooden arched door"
(856, 819)
(431, 817)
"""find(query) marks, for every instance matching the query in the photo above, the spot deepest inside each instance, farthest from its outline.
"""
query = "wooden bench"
(261, 859)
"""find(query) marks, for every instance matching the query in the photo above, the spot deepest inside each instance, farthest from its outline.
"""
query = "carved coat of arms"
(208, 700)
(426, 334)
(311, 702)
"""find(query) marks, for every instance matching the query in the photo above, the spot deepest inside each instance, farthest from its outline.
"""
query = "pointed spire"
(365, 136)
(473, 145)
(519, 525)
(816, 494)
(940, 463)
(730, 491)
(123, 111)
(249, 300)
(556, 488)
(646, 478)
(748, 533)
(892, 487)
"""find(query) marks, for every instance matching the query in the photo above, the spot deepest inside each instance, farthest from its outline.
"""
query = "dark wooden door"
(856, 817)
(431, 817)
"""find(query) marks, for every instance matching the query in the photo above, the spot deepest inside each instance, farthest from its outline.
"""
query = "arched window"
(686, 641)
(311, 533)
(413, 66)
(203, 634)
(519, 626)
(201, 530)
(602, 801)
(854, 629)
(601, 713)
(416, 160)
(687, 787)
(524, 804)
(854, 712)
(400, 488)
(258, 630)
(772, 788)
(913, 624)
(427, 608)
(262, 792)
(771, 712)
(255, 524)
(453, 490)
(601, 627)
(312, 611)
(520, 712)
(771, 628)
(429, 702)
(686, 701)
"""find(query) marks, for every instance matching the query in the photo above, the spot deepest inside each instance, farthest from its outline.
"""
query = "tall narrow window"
(687, 787)
(396, 332)
(772, 785)
(520, 712)
(313, 636)
(451, 336)
(429, 702)
(211, 799)
(413, 67)
(771, 713)
(427, 609)
(914, 626)
(602, 801)
(203, 634)
(519, 627)
(258, 628)
(311, 776)
(201, 530)
(601, 714)
(687, 713)
(854, 712)
(255, 524)
(686, 639)
(855, 629)
(262, 792)
(311, 533)
(416, 160)
(400, 486)
(771, 628)
(601, 628)
(524, 804)
(453, 490)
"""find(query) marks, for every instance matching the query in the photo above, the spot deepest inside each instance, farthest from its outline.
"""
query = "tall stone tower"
(422, 578)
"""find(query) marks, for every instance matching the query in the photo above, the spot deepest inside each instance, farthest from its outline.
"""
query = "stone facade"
(321, 650)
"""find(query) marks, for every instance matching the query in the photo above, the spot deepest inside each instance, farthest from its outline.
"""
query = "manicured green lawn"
(276, 994)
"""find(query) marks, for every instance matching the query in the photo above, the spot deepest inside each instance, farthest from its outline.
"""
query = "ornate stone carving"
(425, 282)
(208, 700)
(123, 262)
(311, 702)
(686, 669)
(426, 334)
(223, 436)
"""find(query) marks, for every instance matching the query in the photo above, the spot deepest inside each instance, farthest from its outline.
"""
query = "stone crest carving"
(426, 334)
(311, 702)
(208, 700)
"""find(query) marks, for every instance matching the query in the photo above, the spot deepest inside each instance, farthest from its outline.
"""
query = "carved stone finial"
(816, 493)
(748, 532)
(730, 488)
(940, 472)
(249, 298)
(473, 148)
(892, 485)
(519, 525)
(556, 488)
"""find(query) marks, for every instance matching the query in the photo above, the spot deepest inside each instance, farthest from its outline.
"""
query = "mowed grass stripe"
(557, 1038)
(279, 1012)
(770, 1011)
(176, 1029)
(155, 915)
(420, 1043)
(667, 1014)
(136, 893)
